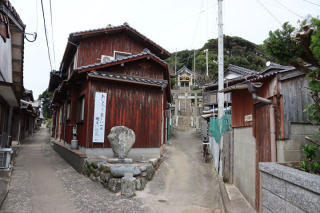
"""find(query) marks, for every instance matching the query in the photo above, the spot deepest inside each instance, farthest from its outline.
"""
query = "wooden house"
(111, 77)
(11, 70)
(269, 123)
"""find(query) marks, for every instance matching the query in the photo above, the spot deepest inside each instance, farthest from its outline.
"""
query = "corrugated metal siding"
(242, 105)
(92, 48)
(136, 107)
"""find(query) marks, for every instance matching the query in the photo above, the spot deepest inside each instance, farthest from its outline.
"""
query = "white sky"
(173, 24)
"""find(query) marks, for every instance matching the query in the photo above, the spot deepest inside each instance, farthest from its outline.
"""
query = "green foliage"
(173, 82)
(309, 151)
(196, 87)
(315, 39)
(310, 164)
(49, 122)
(237, 51)
(89, 168)
(45, 98)
(282, 46)
(303, 166)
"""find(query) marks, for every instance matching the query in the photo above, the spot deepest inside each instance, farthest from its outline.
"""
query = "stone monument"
(121, 139)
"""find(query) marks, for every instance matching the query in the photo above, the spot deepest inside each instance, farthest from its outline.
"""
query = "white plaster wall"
(244, 162)
(6, 60)
(290, 150)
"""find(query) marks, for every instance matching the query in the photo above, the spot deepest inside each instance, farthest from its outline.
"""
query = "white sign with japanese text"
(99, 117)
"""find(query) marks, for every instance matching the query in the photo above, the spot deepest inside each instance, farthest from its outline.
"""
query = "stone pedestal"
(128, 185)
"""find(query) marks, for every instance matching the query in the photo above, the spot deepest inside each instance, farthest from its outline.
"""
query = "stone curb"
(226, 203)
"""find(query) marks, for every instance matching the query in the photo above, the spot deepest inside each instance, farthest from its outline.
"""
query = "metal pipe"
(264, 100)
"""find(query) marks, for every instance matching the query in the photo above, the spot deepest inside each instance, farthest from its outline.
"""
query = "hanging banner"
(99, 117)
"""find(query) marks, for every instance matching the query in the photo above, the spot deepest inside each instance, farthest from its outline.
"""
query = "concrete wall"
(285, 189)
(290, 150)
(74, 157)
(244, 162)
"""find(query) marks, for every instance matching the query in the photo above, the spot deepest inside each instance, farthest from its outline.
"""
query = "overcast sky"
(173, 24)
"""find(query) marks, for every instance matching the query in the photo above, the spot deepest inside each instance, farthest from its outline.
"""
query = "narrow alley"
(184, 183)
(43, 182)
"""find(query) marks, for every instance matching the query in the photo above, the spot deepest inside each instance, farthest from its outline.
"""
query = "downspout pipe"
(272, 124)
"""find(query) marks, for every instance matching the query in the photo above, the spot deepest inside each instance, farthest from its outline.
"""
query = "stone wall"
(284, 189)
(244, 162)
(290, 150)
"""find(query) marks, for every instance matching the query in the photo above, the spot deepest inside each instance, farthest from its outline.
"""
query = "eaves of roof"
(240, 70)
(130, 79)
(146, 54)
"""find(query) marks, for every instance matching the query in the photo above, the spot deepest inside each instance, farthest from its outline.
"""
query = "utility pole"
(194, 64)
(175, 63)
(206, 51)
(220, 78)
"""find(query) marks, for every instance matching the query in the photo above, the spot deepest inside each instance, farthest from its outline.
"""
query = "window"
(68, 110)
(81, 109)
(121, 55)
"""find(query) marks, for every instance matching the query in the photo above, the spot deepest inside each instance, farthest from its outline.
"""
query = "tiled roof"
(145, 52)
(240, 70)
(184, 69)
(275, 66)
(131, 79)
(12, 10)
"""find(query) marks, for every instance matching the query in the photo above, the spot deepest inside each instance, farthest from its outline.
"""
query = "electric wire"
(52, 40)
(45, 32)
(288, 9)
(195, 32)
(262, 5)
(310, 2)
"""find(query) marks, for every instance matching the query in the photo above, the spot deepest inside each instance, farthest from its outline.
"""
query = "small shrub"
(310, 164)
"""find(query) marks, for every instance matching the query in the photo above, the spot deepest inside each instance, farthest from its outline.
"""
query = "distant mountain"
(237, 51)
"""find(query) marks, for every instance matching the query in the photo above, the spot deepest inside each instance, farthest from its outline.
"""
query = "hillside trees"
(237, 51)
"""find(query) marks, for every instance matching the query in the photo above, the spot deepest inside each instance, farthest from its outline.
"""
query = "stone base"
(117, 160)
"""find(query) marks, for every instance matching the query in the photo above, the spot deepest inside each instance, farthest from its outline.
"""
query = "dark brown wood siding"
(137, 107)
(91, 49)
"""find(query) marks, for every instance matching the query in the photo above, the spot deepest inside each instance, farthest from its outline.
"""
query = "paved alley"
(44, 182)
(184, 183)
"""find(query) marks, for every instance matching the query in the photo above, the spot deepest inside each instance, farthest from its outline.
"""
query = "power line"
(45, 32)
(54, 53)
(310, 2)
(291, 11)
(262, 5)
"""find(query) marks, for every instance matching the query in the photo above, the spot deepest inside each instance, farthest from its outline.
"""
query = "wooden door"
(263, 142)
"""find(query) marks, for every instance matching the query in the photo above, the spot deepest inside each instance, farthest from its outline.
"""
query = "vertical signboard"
(99, 117)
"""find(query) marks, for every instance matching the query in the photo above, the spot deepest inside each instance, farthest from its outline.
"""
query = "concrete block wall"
(244, 169)
(290, 150)
(284, 189)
